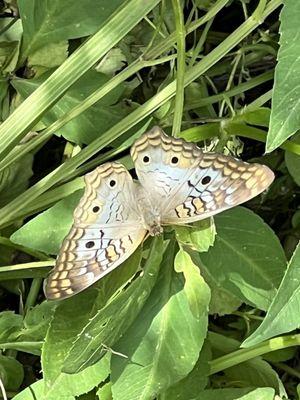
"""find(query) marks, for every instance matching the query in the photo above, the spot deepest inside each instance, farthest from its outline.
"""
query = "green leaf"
(196, 381)
(237, 394)
(35, 392)
(199, 237)
(196, 290)
(113, 320)
(49, 56)
(104, 393)
(67, 386)
(43, 20)
(158, 356)
(11, 372)
(26, 334)
(285, 115)
(47, 231)
(14, 33)
(9, 324)
(247, 259)
(260, 116)
(292, 161)
(284, 312)
(14, 179)
(90, 124)
(67, 323)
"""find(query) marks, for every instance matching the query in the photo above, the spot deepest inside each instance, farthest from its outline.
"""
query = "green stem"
(243, 87)
(286, 368)
(26, 270)
(260, 101)
(179, 97)
(201, 42)
(242, 355)
(33, 293)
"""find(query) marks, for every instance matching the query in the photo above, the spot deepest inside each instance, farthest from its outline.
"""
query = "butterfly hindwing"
(105, 232)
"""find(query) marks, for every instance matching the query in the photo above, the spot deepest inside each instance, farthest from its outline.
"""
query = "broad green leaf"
(163, 343)
(69, 386)
(112, 62)
(26, 334)
(14, 179)
(11, 372)
(260, 116)
(43, 20)
(285, 115)
(10, 323)
(49, 56)
(113, 320)
(104, 393)
(222, 302)
(237, 394)
(292, 161)
(284, 312)
(254, 373)
(67, 322)
(82, 382)
(202, 132)
(195, 288)
(90, 124)
(35, 392)
(47, 231)
(247, 259)
(199, 237)
(196, 381)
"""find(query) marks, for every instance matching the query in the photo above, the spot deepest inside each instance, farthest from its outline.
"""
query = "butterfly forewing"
(106, 230)
(190, 185)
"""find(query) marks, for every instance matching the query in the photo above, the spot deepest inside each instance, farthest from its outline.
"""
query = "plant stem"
(33, 293)
(242, 355)
(286, 368)
(26, 270)
(179, 97)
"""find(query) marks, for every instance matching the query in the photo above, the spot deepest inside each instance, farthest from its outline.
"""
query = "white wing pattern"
(192, 185)
(178, 184)
(106, 230)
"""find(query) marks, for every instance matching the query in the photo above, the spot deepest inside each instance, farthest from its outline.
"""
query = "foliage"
(194, 314)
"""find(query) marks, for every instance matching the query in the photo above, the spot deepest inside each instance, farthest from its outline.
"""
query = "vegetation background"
(216, 310)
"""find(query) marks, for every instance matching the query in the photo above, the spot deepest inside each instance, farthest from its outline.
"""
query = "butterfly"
(177, 184)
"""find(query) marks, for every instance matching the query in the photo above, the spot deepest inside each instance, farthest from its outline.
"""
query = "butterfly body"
(178, 184)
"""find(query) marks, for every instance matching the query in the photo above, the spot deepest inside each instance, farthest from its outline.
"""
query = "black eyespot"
(146, 159)
(174, 160)
(112, 183)
(96, 209)
(206, 180)
(90, 244)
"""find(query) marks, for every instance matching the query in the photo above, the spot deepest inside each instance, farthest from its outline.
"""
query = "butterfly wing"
(106, 231)
(191, 185)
